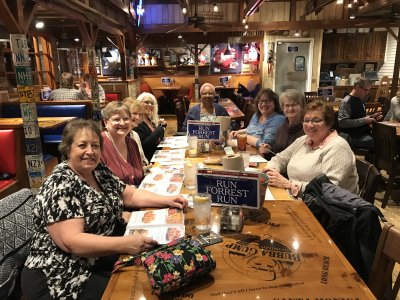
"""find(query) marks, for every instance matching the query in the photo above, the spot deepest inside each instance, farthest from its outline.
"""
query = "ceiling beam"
(9, 19)
(372, 7)
(252, 6)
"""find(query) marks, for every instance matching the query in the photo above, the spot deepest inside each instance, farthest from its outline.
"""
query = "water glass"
(190, 174)
(192, 141)
(202, 211)
(241, 141)
(246, 158)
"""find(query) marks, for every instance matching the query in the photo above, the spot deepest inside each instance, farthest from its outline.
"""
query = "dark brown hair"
(71, 129)
(271, 95)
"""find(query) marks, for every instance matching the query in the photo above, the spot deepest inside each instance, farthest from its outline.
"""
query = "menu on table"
(174, 142)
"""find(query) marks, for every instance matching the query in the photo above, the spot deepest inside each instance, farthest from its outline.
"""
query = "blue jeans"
(363, 142)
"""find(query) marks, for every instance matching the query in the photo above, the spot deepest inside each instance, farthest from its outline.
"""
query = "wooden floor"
(391, 211)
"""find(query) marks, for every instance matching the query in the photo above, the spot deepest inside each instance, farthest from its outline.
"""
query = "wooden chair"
(181, 109)
(386, 256)
(250, 110)
(387, 156)
(383, 89)
(368, 180)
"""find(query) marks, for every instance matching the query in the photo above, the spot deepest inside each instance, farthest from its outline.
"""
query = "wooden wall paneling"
(38, 65)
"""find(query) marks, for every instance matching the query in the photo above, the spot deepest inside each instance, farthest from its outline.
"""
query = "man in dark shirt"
(353, 119)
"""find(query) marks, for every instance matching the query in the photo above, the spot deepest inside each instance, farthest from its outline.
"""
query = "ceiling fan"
(195, 20)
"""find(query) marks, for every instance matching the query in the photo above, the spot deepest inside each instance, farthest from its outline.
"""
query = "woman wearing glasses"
(264, 123)
(120, 152)
(151, 130)
(292, 103)
(321, 150)
(207, 110)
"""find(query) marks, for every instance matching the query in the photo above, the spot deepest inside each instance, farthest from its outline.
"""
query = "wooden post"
(395, 78)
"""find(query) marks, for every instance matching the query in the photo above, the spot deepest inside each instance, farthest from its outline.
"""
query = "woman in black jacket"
(151, 130)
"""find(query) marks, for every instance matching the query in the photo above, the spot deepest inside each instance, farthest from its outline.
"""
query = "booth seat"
(53, 135)
(9, 182)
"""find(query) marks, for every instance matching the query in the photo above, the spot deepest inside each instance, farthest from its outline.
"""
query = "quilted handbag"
(174, 265)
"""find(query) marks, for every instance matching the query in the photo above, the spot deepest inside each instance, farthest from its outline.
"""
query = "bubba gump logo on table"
(263, 258)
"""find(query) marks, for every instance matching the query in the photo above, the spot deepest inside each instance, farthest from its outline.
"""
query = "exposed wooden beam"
(396, 68)
(8, 17)
(316, 5)
(292, 15)
(252, 6)
(396, 37)
(372, 7)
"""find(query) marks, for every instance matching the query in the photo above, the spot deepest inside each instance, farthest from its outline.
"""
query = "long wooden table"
(44, 122)
(282, 253)
(234, 112)
(285, 256)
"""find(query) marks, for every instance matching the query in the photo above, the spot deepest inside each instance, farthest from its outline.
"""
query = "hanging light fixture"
(246, 26)
(244, 21)
(215, 7)
(228, 50)
(297, 33)
(184, 11)
(39, 24)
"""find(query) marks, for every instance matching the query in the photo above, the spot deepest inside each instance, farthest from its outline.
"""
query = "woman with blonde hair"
(152, 129)
(137, 117)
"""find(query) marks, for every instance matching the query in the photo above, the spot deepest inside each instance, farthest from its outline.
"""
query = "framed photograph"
(156, 53)
(369, 67)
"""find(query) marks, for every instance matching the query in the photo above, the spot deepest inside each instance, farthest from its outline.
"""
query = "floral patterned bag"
(174, 265)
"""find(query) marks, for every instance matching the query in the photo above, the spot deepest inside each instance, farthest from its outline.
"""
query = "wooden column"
(395, 78)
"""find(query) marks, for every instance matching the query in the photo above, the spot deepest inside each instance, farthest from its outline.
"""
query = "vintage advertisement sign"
(204, 130)
(230, 188)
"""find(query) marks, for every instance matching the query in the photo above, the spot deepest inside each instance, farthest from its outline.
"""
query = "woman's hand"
(264, 148)
(137, 243)
(233, 134)
(276, 179)
(177, 201)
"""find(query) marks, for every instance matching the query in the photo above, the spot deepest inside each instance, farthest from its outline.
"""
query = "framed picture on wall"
(369, 67)
(156, 53)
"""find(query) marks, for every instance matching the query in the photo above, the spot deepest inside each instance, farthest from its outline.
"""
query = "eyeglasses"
(366, 90)
(313, 121)
(292, 105)
(262, 102)
(207, 94)
(149, 103)
(118, 120)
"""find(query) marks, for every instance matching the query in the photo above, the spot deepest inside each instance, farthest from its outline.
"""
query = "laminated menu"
(163, 225)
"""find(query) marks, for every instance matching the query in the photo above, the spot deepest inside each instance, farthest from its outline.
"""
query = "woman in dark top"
(151, 130)
(292, 103)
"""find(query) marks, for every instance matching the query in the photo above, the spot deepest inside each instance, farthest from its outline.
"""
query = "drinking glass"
(246, 158)
(241, 141)
(192, 141)
(190, 174)
(202, 211)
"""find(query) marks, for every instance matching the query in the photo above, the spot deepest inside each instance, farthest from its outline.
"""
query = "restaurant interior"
(170, 48)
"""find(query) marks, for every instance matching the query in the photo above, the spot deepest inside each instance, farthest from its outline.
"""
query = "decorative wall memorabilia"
(226, 58)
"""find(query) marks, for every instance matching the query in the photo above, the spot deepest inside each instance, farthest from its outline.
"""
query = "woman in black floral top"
(78, 221)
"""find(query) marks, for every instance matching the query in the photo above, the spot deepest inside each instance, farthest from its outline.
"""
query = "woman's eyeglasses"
(149, 103)
(313, 121)
(292, 105)
(262, 102)
(118, 120)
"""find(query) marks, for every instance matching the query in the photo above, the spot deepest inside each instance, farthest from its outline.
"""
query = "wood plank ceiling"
(94, 21)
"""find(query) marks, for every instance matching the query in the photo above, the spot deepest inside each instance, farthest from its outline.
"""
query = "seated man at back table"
(66, 90)
(353, 120)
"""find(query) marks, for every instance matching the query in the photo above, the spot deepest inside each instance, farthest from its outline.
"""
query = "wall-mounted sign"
(204, 130)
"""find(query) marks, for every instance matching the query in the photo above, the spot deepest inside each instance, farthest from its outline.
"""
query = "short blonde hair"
(133, 104)
(115, 107)
(67, 80)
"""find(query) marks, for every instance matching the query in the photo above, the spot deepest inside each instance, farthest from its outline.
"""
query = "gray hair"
(67, 80)
(294, 95)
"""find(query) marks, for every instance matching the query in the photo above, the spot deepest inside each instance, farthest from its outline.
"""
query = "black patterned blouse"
(63, 196)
